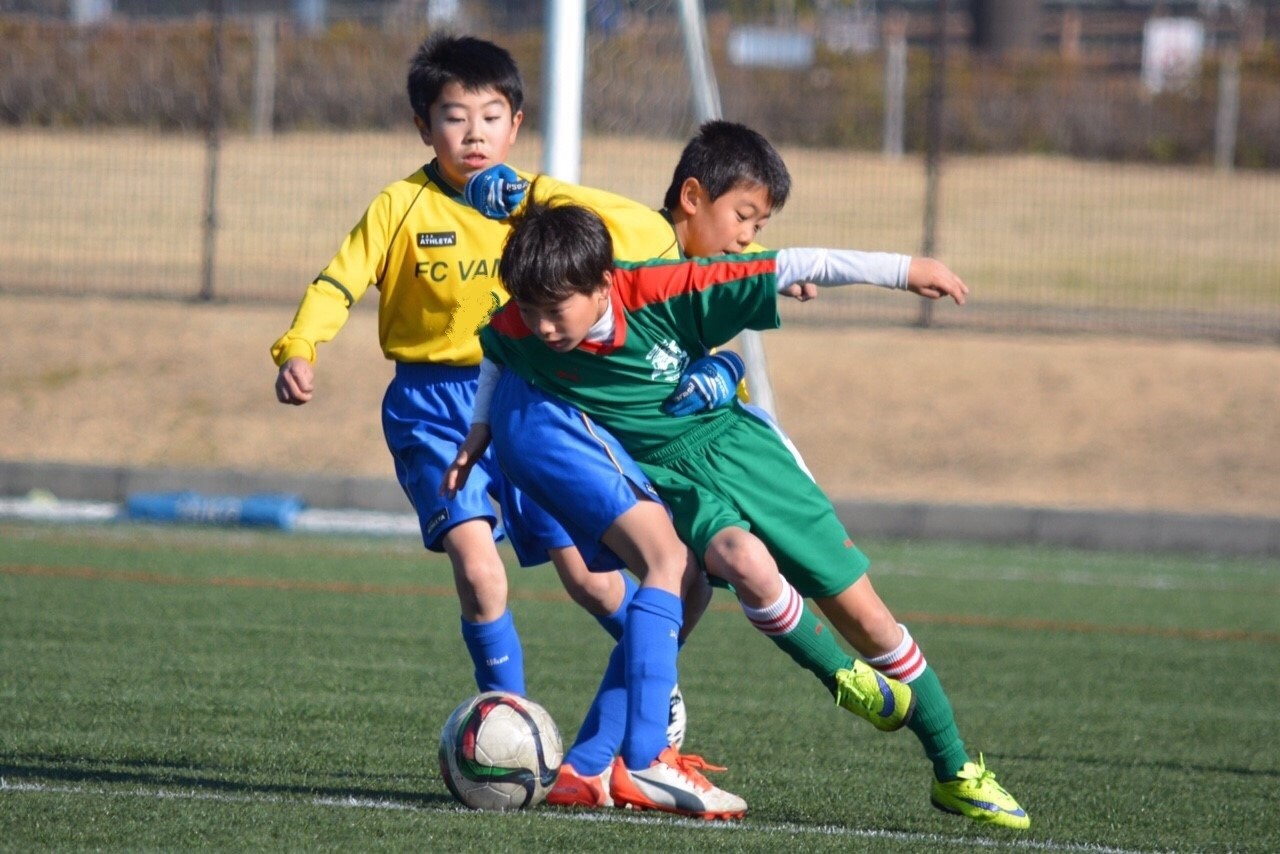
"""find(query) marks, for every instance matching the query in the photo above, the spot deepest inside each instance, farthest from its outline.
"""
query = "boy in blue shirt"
(613, 341)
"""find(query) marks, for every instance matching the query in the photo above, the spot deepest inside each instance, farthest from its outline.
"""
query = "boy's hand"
(469, 453)
(496, 191)
(708, 383)
(800, 291)
(296, 381)
(931, 278)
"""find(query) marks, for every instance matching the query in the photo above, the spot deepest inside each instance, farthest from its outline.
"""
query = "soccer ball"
(500, 751)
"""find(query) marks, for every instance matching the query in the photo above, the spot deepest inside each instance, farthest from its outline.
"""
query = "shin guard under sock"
(496, 653)
(653, 624)
(799, 633)
(600, 735)
(933, 721)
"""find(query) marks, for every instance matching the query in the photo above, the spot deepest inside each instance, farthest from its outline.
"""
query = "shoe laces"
(980, 775)
(848, 689)
(690, 766)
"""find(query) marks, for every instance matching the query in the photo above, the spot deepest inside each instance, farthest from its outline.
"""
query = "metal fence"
(224, 156)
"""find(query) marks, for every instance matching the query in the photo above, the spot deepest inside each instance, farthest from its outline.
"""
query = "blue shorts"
(569, 465)
(426, 413)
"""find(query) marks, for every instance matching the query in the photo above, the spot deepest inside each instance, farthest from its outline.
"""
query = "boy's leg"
(560, 469)
(961, 786)
(772, 605)
(426, 412)
(603, 595)
(778, 611)
(488, 629)
(862, 618)
(583, 779)
(644, 539)
(650, 774)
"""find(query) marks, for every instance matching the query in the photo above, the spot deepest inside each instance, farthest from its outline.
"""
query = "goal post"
(564, 67)
(706, 104)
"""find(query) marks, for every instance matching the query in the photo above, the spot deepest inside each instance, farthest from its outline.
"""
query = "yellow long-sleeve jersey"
(434, 261)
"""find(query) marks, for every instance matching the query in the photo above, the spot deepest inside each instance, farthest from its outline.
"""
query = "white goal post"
(564, 68)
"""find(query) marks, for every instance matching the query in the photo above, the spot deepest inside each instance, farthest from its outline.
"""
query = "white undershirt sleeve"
(489, 374)
(829, 267)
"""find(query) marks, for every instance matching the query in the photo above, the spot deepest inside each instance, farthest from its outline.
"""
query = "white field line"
(615, 817)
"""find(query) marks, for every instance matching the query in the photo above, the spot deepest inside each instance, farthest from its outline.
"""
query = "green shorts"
(736, 472)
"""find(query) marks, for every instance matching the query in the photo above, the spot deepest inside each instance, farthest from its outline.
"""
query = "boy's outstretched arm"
(828, 267)
(295, 383)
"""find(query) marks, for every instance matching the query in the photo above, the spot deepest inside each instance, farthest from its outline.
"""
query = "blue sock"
(653, 624)
(601, 733)
(614, 623)
(496, 653)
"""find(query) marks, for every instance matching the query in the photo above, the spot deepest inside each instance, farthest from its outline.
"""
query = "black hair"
(554, 250)
(725, 155)
(475, 63)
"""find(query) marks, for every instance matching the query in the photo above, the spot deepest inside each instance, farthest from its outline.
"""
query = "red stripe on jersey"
(653, 283)
(509, 323)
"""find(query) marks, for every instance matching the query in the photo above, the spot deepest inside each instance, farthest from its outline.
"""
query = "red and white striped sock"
(779, 618)
(905, 663)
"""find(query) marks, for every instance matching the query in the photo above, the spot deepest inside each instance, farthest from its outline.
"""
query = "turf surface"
(171, 688)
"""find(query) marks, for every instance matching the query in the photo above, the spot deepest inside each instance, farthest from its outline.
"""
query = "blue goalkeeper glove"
(496, 191)
(708, 383)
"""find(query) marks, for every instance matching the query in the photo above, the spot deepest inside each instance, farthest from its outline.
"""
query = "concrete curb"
(1087, 529)
(1090, 529)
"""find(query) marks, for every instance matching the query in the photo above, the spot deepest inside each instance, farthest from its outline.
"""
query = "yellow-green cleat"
(886, 703)
(975, 794)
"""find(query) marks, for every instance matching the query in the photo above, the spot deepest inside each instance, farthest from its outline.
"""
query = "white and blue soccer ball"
(500, 751)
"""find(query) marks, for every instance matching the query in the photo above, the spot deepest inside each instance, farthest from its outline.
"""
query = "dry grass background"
(881, 413)
(125, 211)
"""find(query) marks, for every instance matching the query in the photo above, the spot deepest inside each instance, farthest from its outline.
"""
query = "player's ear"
(424, 129)
(691, 196)
(516, 119)
(606, 286)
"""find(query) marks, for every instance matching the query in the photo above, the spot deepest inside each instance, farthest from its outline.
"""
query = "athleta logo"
(668, 360)
(438, 238)
(437, 520)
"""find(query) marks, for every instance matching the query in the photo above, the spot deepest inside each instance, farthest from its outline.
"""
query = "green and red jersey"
(666, 313)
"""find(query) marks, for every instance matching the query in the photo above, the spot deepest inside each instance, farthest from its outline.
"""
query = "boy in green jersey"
(613, 340)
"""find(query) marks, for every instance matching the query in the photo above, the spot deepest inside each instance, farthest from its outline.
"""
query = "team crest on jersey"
(668, 360)
(437, 238)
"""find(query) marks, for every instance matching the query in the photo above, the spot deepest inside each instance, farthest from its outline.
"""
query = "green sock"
(809, 642)
(934, 724)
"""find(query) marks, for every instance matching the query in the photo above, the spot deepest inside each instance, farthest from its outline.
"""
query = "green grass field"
(170, 688)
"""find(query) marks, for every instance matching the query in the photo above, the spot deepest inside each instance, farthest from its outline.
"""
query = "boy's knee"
(600, 593)
(738, 557)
